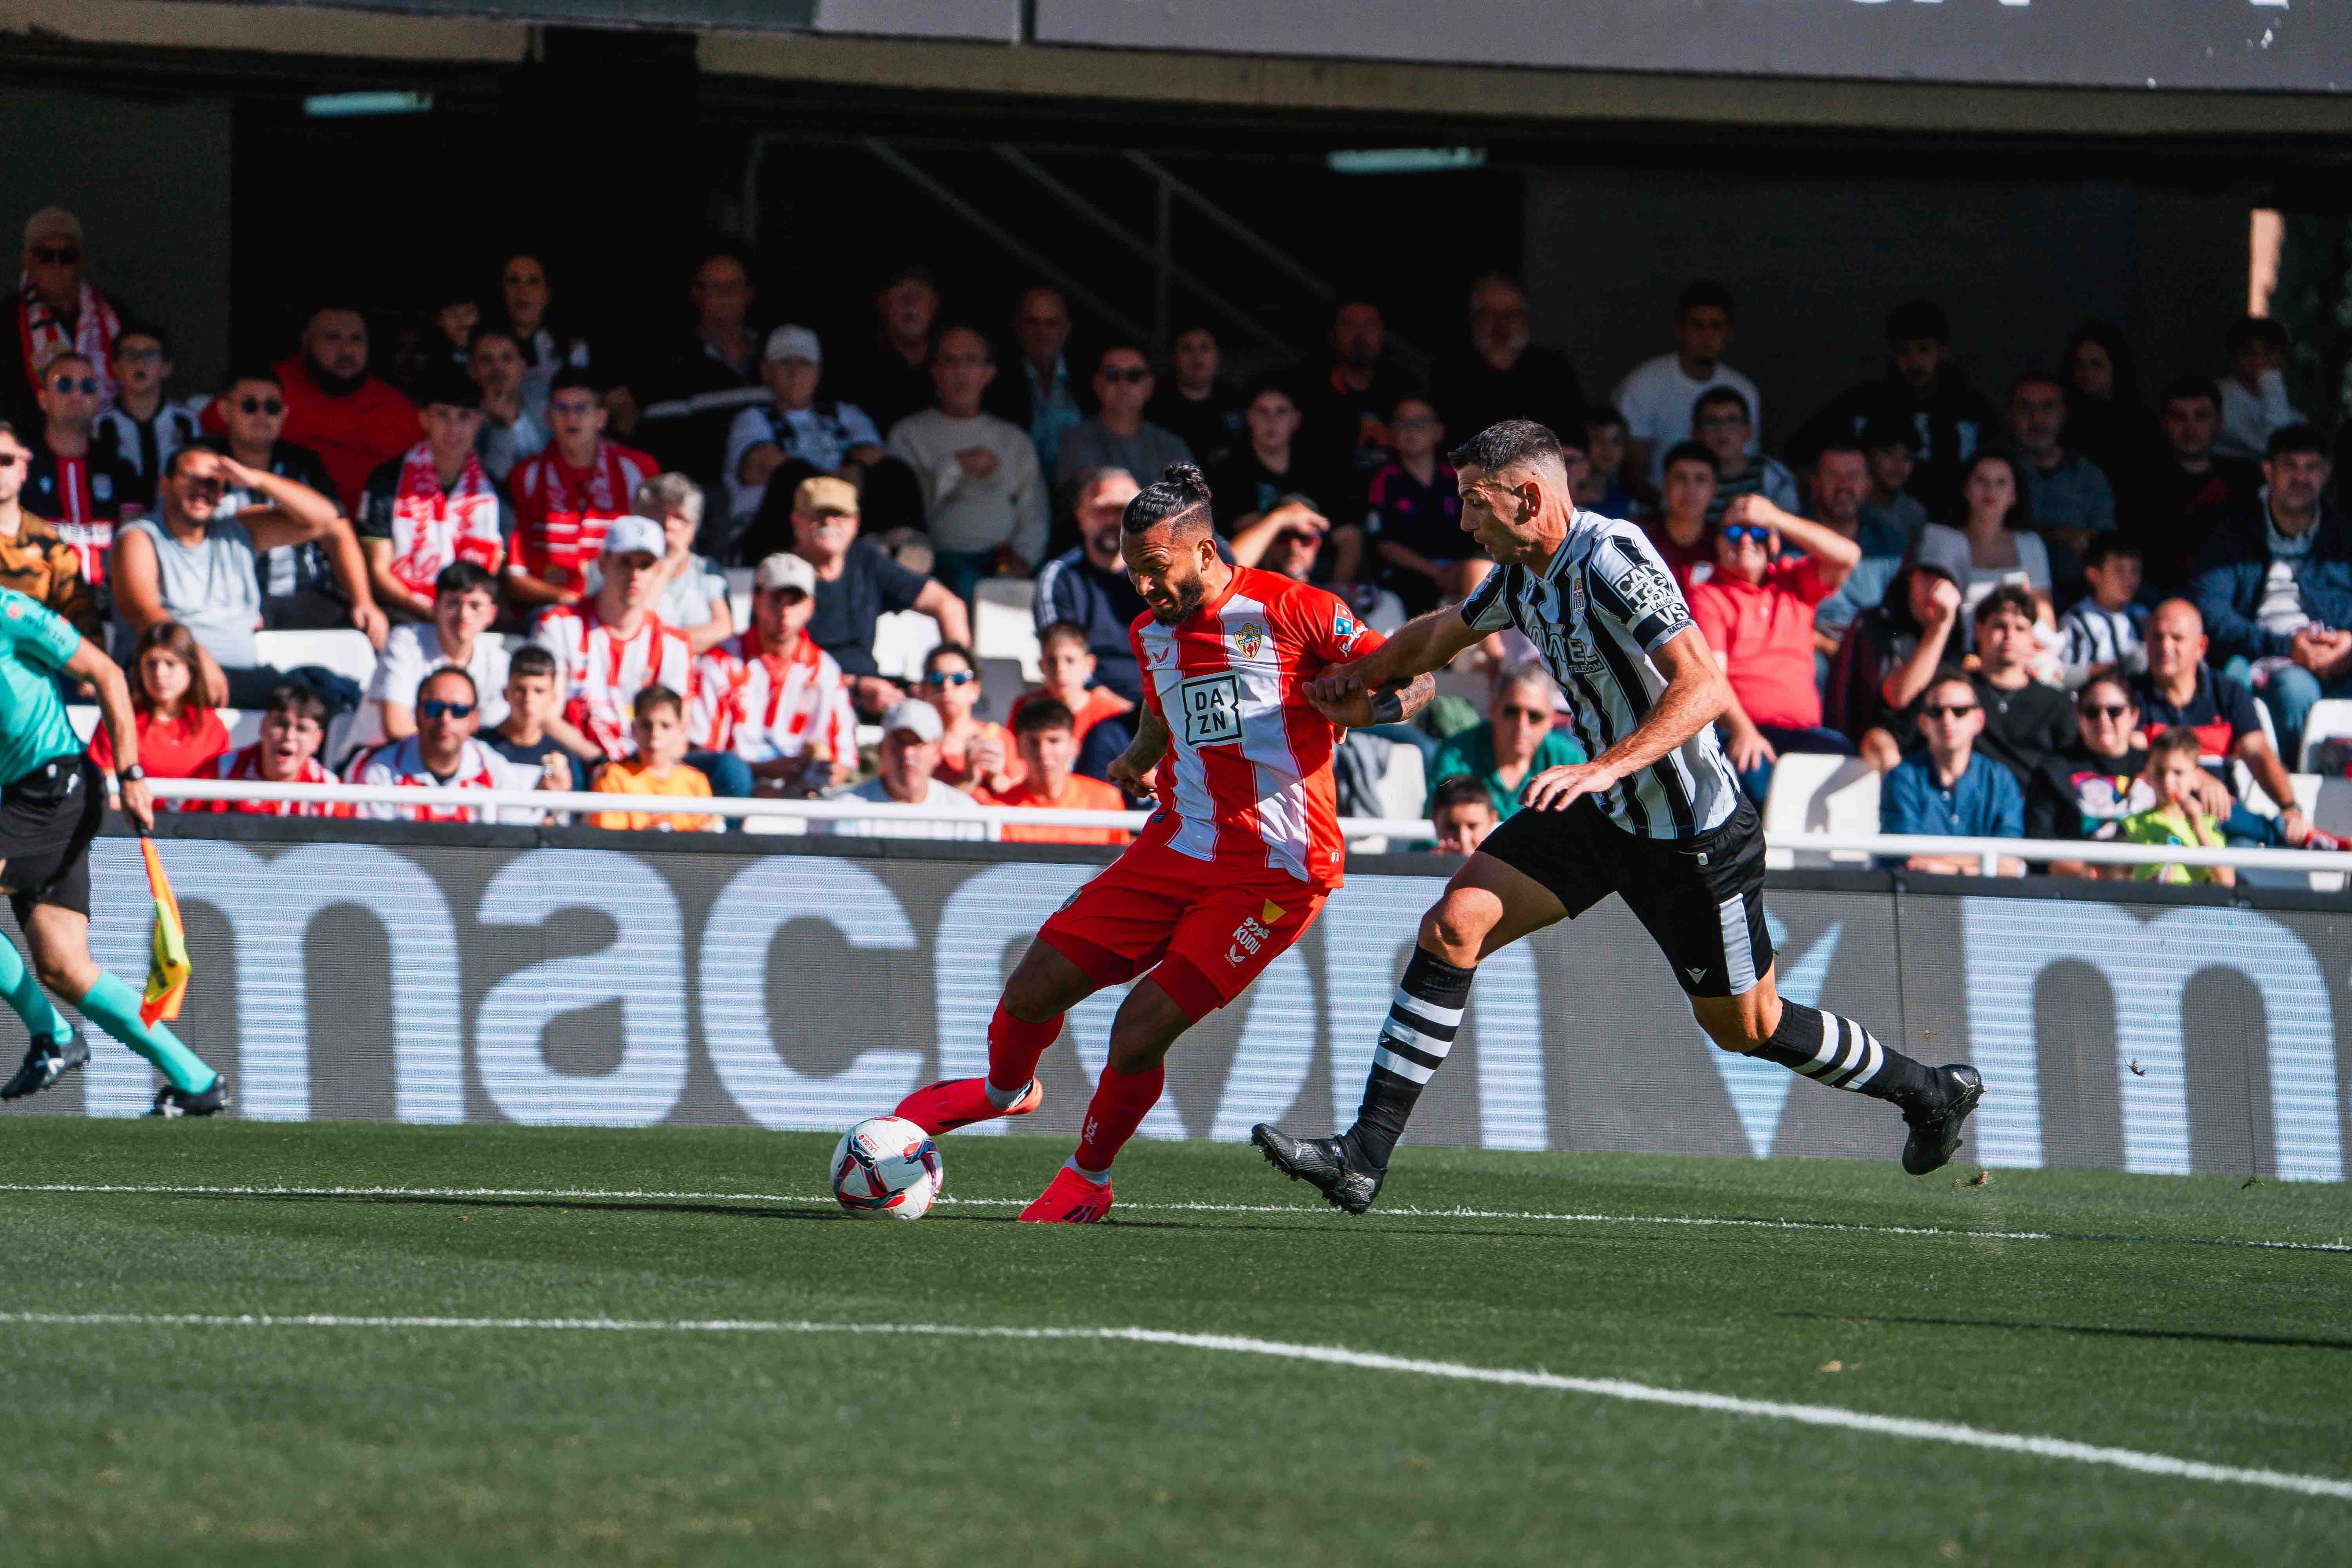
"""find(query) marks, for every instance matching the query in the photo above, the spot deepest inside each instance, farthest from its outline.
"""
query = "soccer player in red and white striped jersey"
(613, 647)
(1234, 864)
(293, 728)
(567, 494)
(771, 695)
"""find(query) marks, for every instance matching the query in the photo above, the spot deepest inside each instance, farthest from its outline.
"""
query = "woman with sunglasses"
(974, 752)
(179, 737)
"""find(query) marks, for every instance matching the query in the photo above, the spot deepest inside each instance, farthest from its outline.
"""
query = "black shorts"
(1701, 899)
(46, 821)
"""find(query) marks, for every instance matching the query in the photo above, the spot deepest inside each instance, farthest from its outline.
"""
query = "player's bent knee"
(1458, 923)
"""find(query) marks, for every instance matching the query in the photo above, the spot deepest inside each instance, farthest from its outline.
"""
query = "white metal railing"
(1987, 853)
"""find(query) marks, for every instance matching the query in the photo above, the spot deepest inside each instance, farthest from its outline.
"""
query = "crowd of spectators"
(2003, 603)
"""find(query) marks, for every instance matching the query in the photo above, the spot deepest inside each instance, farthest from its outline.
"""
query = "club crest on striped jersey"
(1249, 639)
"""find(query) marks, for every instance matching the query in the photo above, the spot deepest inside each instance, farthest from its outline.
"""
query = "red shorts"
(1210, 931)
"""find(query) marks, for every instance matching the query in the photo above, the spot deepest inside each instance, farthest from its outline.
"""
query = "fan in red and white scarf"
(569, 493)
(247, 766)
(50, 238)
(429, 527)
(768, 706)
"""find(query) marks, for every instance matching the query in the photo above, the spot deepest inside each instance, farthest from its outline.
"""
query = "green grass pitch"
(2141, 1318)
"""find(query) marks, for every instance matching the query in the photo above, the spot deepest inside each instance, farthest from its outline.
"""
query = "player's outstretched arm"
(1421, 645)
(1133, 766)
(89, 663)
(1695, 697)
(1385, 705)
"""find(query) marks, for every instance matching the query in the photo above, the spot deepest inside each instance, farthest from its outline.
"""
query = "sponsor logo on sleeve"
(1345, 628)
(1648, 591)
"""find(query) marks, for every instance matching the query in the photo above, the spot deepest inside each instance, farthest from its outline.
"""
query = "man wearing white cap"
(612, 646)
(910, 754)
(55, 309)
(829, 437)
(771, 697)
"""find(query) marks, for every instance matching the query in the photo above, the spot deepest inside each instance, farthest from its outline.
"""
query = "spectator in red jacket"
(179, 737)
(292, 730)
(353, 421)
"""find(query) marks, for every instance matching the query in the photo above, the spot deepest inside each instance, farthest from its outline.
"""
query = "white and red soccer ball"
(886, 1168)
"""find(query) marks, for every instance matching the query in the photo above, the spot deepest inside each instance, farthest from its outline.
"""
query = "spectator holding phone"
(975, 754)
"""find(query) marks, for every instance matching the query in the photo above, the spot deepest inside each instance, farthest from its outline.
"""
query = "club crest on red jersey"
(1248, 638)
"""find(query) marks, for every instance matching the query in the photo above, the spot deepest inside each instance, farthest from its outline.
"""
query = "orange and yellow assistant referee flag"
(167, 962)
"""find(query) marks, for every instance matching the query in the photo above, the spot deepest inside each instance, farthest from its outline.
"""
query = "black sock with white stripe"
(1842, 1053)
(1414, 1041)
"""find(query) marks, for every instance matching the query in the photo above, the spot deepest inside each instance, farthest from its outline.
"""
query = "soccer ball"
(886, 1168)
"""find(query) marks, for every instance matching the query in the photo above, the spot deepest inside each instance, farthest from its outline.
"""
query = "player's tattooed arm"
(1395, 704)
(1132, 768)
(1357, 707)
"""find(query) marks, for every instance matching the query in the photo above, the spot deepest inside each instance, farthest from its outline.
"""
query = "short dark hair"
(180, 455)
(1122, 347)
(142, 330)
(531, 659)
(1946, 674)
(1916, 318)
(1507, 443)
(653, 697)
(265, 373)
(572, 377)
(1686, 452)
(2248, 330)
(2106, 547)
(1840, 444)
(1600, 417)
(2291, 438)
(460, 670)
(1179, 498)
(1042, 714)
(446, 383)
(2174, 738)
(987, 343)
(1459, 789)
(2183, 387)
(1701, 292)
(1064, 631)
(2007, 597)
(2110, 678)
(1415, 395)
(949, 650)
(301, 701)
(464, 578)
(2035, 378)
(1719, 394)
(1881, 431)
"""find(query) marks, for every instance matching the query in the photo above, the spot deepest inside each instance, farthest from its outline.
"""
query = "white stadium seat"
(1003, 624)
(1813, 793)
(2330, 720)
(901, 638)
(347, 653)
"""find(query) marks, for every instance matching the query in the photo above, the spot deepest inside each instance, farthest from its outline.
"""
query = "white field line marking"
(1330, 1355)
(818, 1200)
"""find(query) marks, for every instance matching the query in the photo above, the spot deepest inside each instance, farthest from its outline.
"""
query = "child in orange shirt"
(658, 724)
(1047, 737)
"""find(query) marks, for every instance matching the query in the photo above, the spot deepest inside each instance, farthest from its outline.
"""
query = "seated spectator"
(2180, 691)
(443, 754)
(512, 428)
(1757, 612)
(1886, 445)
(1498, 373)
(909, 764)
(2028, 727)
(1602, 489)
(179, 736)
(1297, 542)
(1889, 655)
(143, 427)
(830, 437)
(548, 348)
(1194, 403)
(1067, 665)
(1119, 435)
(2178, 816)
(891, 377)
(2106, 420)
(2067, 493)
(1949, 789)
(2106, 630)
(708, 376)
(567, 495)
(1995, 524)
(1463, 812)
(355, 422)
(465, 603)
(1344, 404)
(771, 712)
(1412, 516)
(55, 308)
(656, 767)
(433, 504)
(196, 566)
(33, 561)
(856, 583)
(1045, 732)
(693, 588)
(975, 754)
(529, 736)
(1679, 530)
(2255, 405)
(293, 728)
(82, 491)
(1722, 425)
(1088, 585)
(985, 499)
(1659, 398)
(1044, 400)
(1259, 474)
(1520, 739)
(613, 646)
(1841, 495)
(320, 585)
(2192, 492)
(1923, 392)
(2275, 587)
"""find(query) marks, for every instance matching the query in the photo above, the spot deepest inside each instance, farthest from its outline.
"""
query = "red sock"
(1120, 1103)
(1013, 1048)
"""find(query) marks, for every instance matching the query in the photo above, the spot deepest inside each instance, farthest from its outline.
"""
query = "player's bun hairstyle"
(1514, 443)
(1179, 497)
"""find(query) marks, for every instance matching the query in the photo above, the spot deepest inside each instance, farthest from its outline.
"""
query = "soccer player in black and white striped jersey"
(1655, 817)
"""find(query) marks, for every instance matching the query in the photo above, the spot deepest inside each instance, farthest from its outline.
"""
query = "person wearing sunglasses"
(1119, 435)
(1757, 612)
(33, 561)
(143, 428)
(444, 754)
(974, 752)
(1948, 787)
(320, 585)
(80, 487)
(56, 309)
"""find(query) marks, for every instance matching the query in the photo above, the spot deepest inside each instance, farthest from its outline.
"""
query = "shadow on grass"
(2196, 1335)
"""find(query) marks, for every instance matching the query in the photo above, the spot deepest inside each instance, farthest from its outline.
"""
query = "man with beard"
(1500, 374)
(354, 422)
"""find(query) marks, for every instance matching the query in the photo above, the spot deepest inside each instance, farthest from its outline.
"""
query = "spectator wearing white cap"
(774, 700)
(828, 435)
(612, 645)
(55, 309)
(911, 733)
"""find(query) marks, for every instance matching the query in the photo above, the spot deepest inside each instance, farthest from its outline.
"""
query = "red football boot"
(1069, 1199)
(954, 1103)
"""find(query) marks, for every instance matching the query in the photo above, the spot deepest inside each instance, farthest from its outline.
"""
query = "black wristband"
(129, 773)
(1387, 707)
